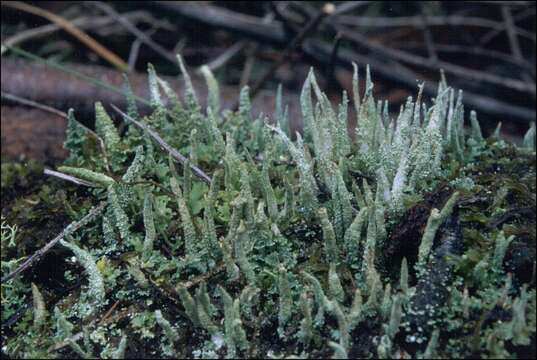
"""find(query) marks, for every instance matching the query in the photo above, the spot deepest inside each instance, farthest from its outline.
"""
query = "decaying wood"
(32, 133)
(39, 135)
(42, 84)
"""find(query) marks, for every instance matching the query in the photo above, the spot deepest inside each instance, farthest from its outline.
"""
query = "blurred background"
(485, 48)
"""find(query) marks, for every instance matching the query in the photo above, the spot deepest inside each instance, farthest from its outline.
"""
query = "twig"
(468, 74)
(349, 6)
(174, 153)
(333, 57)
(106, 319)
(224, 18)
(326, 11)
(135, 49)
(248, 65)
(289, 26)
(60, 113)
(171, 291)
(470, 50)
(70, 28)
(485, 39)
(70, 178)
(71, 228)
(417, 21)
(223, 58)
(109, 312)
(513, 41)
(251, 54)
(494, 2)
(33, 104)
(203, 277)
(82, 22)
(428, 36)
(320, 52)
(109, 10)
(511, 33)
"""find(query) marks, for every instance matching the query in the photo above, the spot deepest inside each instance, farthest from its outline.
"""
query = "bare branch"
(82, 22)
(417, 21)
(469, 74)
(109, 10)
(312, 24)
(33, 104)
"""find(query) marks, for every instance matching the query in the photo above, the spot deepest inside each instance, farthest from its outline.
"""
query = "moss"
(167, 236)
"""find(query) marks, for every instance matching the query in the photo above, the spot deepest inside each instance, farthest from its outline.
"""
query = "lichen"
(276, 242)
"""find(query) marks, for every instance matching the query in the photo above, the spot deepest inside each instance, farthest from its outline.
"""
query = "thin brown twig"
(290, 26)
(135, 49)
(349, 6)
(469, 74)
(33, 104)
(72, 29)
(248, 65)
(251, 55)
(82, 22)
(486, 38)
(203, 277)
(109, 10)
(513, 41)
(416, 21)
(313, 23)
(470, 50)
(223, 58)
(60, 113)
(109, 312)
(174, 153)
(333, 57)
(511, 32)
(105, 320)
(428, 36)
(171, 291)
(319, 50)
(71, 228)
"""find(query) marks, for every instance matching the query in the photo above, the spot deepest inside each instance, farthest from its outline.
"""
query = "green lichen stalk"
(221, 234)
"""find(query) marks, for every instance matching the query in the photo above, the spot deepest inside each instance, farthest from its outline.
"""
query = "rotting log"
(39, 135)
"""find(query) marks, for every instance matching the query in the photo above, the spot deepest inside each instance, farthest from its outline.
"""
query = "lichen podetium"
(225, 235)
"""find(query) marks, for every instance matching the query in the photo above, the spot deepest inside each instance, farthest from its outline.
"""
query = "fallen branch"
(321, 51)
(327, 10)
(417, 21)
(83, 85)
(483, 104)
(109, 10)
(466, 73)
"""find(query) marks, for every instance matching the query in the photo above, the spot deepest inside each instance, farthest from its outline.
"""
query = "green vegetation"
(228, 236)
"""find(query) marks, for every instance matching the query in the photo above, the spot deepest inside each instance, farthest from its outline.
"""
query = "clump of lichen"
(221, 236)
